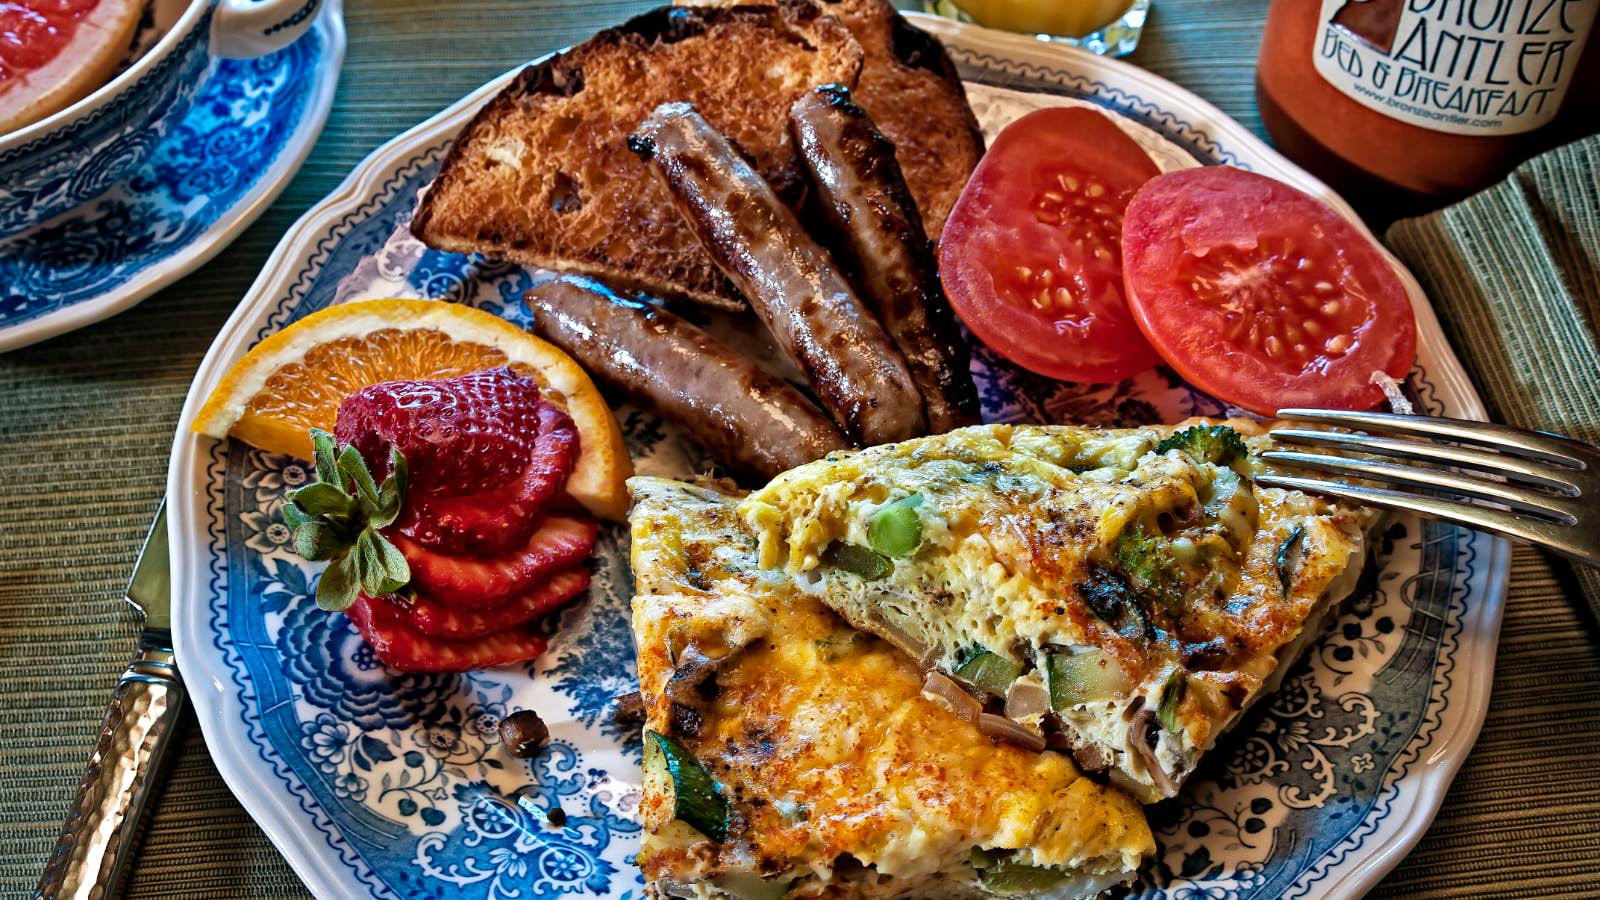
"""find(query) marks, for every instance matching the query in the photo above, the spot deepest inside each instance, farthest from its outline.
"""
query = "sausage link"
(789, 280)
(877, 231)
(752, 420)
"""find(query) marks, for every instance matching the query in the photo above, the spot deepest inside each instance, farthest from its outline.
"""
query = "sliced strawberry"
(470, 583)
(494, 521)
(444, 620)
(459, 435)
(399, 645)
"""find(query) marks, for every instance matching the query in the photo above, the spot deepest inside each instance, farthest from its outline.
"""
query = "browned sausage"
(877, 231)
(752, 420)
(850, 362)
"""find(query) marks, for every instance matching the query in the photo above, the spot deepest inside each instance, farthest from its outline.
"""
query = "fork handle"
(135, 738)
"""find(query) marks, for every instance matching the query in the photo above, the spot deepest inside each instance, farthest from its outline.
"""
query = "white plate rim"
(217, 710)
(229, 225)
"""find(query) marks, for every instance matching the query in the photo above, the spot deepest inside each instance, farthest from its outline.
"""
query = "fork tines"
(1529, 485)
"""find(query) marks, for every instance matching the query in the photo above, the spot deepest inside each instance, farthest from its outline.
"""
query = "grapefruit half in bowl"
(54, 53)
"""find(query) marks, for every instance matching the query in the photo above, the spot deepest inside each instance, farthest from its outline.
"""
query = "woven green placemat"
(1514, 272)
(86, 422)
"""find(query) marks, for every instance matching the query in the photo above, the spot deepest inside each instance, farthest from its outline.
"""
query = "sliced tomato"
(1031, 254)
(1262, 295)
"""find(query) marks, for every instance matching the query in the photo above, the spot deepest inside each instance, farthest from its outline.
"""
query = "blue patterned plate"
(382, 785)
(250, 128)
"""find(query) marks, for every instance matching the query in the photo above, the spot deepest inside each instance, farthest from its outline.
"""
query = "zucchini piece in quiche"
(1123, 595)
(790, 755)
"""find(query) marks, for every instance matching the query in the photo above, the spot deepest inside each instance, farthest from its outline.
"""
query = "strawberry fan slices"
(468, 541)
(487, 455)
(482, 583)
(444, 620)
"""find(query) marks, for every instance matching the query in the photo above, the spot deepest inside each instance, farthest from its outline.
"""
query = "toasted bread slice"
(912, 91)
(543, 175)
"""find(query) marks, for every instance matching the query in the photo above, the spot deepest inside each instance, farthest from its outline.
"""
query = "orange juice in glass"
(1109, 27)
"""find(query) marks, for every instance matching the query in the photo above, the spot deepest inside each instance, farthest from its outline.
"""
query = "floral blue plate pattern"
(383, 785)
(251, 124)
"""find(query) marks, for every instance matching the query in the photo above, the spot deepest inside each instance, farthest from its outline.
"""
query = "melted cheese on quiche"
(842, 776)
(1034, 541)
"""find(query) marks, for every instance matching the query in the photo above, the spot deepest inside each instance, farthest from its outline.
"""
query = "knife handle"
(89, 860)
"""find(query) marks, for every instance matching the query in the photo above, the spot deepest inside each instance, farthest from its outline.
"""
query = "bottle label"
(1478, 67)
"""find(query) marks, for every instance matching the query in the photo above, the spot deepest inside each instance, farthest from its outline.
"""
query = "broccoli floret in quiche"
(1145, 558)
(1215, 444)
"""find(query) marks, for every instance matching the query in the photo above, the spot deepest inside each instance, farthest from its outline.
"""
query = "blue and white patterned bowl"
(80, 152)
(249, 127)
(376, 784)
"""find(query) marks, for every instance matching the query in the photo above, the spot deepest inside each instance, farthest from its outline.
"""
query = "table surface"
(86, 422)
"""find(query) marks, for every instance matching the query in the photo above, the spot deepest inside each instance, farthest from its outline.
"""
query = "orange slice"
(295, 379)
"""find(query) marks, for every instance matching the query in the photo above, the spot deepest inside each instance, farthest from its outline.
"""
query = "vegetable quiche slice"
(1124, 595)
(789, 755)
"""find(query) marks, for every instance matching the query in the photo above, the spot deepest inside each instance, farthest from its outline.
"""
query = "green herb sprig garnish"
(338, 518)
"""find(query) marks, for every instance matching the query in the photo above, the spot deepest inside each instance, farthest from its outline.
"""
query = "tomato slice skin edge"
(1221, 265)
(1030, 256)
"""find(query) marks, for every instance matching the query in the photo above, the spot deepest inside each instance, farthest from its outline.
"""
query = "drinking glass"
(1107, 27)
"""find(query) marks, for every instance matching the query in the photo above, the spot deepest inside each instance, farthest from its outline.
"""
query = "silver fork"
(1530, 485)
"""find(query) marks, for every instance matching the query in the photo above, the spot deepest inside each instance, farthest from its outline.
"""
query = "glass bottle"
(1404, 105)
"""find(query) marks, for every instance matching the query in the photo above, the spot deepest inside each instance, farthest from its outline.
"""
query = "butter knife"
(134, 739)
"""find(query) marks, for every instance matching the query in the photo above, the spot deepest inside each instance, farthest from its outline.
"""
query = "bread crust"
(542, 175)
(910, 87)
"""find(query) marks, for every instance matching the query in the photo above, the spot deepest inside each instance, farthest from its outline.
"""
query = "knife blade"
(150, 588)
(135, 737)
